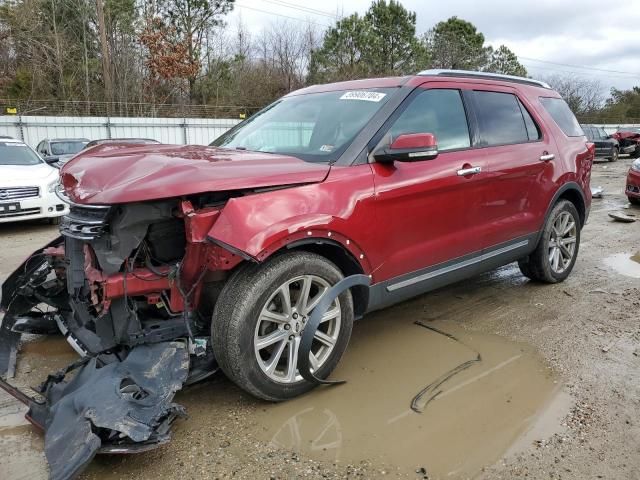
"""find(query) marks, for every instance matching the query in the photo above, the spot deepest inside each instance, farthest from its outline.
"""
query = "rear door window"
(562, 115)
(500, 119)
(437, 111)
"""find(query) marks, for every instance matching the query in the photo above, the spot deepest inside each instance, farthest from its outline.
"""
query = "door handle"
(469, 171)
(545, 157)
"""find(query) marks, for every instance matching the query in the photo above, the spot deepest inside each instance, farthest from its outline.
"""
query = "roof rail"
(484, 75)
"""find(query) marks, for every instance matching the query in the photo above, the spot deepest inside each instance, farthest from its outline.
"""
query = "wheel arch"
(572, 192)
(342, 257)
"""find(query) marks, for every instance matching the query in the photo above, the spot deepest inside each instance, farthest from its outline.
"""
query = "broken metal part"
(431, 391)
(304, 365)
(122, 406)
(127, 227)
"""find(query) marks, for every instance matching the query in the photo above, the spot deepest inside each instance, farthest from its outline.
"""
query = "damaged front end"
(125, 285)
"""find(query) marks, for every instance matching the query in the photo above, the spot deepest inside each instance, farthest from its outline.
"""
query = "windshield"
(12, 153)
(315, 127)
(629, 129)
(67, 148)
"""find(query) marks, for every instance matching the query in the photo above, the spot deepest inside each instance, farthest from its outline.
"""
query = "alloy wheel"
(562, 242)
(280, 325)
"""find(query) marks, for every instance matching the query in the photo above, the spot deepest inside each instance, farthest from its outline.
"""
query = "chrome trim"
(468, 171)
(480, 75)
(9, 194)
(456, 266)
(546, 157)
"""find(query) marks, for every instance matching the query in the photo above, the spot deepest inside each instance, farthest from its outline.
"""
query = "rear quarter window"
(562, 115)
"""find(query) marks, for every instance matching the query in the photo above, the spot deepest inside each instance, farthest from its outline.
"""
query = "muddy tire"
(557, 250)
(262, 303)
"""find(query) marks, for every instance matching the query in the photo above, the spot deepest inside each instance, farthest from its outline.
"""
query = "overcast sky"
(590, 33)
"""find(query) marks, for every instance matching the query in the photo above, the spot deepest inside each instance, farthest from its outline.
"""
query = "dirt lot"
(552, 387)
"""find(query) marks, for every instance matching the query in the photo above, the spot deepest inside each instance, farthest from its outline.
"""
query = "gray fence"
(33, 129)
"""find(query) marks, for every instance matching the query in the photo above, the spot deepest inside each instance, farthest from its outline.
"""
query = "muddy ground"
(551, 387)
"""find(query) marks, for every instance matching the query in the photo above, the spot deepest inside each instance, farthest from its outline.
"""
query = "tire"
(614, 155)
(635, 153)
(239, 323)
(54, 221)
(634, 200)
(540, 265)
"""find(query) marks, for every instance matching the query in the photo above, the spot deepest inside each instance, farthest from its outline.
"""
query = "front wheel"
(614, 155)
(259, 318)
(557, 250)
(634, 200)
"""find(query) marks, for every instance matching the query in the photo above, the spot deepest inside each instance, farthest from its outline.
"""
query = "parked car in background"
(633, 182)
(606, 146)
(629, 140)
(129, 141)
(27, 185)
(58, 151)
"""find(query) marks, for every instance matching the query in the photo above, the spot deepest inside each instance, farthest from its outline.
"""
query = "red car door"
(520, 160)
(427, 210)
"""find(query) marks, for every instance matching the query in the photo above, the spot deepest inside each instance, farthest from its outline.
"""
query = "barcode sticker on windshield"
(363, 95)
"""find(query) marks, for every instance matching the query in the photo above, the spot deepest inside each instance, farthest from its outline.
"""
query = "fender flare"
(569, 186)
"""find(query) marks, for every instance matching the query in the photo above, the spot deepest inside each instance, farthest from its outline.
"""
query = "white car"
(27, 185)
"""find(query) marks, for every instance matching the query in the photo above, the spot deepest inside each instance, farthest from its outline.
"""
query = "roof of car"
(123, 140)
(483, 76)
(67, 140)
(10, 140)
(386, 82)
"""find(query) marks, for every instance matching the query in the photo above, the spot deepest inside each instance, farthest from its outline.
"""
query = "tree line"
(183, 52)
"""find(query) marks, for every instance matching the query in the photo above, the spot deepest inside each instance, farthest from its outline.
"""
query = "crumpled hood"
(25, 175)
(112, 175)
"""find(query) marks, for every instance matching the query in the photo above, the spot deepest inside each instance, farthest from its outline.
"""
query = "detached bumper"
(122, 407)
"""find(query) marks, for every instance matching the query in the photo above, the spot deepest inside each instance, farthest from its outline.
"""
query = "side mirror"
(50, 160)
(411, 147)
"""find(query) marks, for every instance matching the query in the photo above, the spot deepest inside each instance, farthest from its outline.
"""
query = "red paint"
(138, 282)
(164, 171)
(414, 140)
(633, 178)
(391, 218)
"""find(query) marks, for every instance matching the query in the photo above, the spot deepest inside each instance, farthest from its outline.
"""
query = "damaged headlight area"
(132, 288)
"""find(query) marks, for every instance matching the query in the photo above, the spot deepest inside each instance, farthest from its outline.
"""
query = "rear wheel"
(259, 318)
(614, 155)
(557, 250)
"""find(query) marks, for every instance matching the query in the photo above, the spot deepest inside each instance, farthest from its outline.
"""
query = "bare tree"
(583, 95)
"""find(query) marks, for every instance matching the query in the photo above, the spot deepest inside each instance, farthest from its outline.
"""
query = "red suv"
(218, 255)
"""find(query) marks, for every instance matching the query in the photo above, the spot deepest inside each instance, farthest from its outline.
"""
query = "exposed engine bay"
(124, 285)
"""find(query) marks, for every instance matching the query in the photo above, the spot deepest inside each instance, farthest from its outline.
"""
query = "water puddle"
(625, 264)
(440, 398)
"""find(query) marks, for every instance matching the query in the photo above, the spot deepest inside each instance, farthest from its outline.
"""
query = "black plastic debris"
(431, 391)
(119, 407)
(304, 365)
